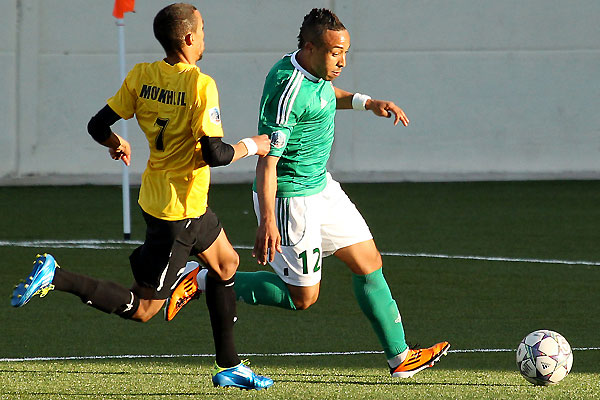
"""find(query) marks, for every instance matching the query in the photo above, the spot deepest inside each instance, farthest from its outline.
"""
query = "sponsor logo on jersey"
(215, 115)
(278, 139)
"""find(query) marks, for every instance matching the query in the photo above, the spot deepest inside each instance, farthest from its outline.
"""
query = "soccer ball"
(544, 357)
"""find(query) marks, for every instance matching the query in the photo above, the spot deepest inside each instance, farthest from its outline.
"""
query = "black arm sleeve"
(99, 125)
(215, 152)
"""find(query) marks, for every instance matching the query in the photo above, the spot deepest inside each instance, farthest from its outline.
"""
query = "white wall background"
(494, 89)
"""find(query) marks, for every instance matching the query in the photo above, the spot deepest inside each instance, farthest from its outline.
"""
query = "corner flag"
(123, 6)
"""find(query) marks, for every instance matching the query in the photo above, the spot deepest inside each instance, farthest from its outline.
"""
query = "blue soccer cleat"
(38, 282)
(239, 376)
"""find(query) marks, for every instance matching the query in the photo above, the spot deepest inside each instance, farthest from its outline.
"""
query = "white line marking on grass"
(123, 244)
(482, 258)
(329, 353)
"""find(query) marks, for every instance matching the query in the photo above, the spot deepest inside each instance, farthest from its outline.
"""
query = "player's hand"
(264, 144)
(383, 108)
(268, 241)
(121, 152)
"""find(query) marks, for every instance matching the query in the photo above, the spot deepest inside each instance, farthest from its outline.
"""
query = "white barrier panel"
(494, 90)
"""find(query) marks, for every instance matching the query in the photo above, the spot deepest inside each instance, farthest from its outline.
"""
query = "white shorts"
(313, 227)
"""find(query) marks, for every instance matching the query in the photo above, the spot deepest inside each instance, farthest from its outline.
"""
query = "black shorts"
(167, 248)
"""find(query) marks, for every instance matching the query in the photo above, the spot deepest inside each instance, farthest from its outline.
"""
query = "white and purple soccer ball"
(544, 357)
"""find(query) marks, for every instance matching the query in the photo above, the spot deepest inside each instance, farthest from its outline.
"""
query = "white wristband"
(359, 100)
(250, 146)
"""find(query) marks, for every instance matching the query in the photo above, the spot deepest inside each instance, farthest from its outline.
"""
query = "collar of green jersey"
(307, 74)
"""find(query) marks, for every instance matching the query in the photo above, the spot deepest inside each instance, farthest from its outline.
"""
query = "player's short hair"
(315, 23)
(172, 23)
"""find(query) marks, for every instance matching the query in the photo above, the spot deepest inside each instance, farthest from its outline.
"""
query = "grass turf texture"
(473, 304)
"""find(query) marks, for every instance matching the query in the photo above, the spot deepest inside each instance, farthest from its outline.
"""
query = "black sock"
(220, 299)
(103, 295)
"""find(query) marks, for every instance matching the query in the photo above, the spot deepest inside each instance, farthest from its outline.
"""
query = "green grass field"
(482, 306)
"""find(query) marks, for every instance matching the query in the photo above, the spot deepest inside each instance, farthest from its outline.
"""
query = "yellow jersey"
(175, 105)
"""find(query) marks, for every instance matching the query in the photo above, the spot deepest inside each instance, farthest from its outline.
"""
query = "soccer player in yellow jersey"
(177, 108)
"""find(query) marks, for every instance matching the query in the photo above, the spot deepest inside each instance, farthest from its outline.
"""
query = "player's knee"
(370, 264)
(142, 316)
(302, 305)
(377, 261)
(228, 266)
(305, 301)
(146, 310)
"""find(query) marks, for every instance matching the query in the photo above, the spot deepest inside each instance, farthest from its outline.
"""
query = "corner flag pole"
(125, 171)
(120, 8)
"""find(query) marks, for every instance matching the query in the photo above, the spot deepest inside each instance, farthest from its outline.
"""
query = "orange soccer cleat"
(419, 359)
(186, 290)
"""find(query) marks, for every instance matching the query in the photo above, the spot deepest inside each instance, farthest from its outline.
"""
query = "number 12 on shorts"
(317, 263)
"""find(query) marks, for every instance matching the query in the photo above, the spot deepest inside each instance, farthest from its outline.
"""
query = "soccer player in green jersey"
(303, 213)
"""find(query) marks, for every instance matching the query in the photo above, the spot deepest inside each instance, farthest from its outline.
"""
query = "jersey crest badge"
(278, 139)
(323, 103)
(215, 115)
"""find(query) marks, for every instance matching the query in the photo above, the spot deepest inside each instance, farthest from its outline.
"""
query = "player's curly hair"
(172, 23)
(315, 23)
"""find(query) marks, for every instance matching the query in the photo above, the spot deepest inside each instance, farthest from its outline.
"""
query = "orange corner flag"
(123, 6)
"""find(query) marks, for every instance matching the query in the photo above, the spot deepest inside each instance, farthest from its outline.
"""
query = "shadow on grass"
(327, 378)
(334, 379)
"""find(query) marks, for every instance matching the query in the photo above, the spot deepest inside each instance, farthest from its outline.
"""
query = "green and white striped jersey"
(297, 111)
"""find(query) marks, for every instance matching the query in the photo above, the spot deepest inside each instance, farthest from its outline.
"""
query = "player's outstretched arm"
(343, 99)
(357, 101)
(259, 145)
(216, 153)
(384, 108)
(268, 238)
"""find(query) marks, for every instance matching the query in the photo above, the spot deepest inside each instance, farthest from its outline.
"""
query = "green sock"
(376, 302)
(264, 288)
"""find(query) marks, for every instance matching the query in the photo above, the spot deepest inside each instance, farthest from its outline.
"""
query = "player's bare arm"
(343, 99)
(217, 153)
(118, 148)
(99, 129)
(382, 108)
(268, 238)
(243, 147)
